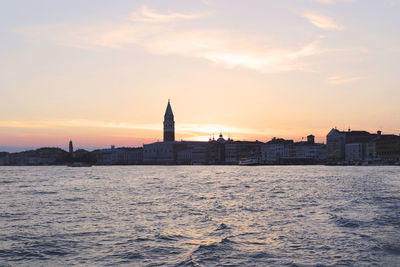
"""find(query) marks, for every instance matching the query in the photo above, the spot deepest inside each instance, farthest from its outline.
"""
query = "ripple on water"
(347, 222)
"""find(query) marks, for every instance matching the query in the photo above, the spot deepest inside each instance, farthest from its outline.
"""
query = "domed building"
(221, 139)
(216, 150)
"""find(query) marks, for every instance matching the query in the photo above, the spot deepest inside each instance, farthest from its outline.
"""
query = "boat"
(79, 164)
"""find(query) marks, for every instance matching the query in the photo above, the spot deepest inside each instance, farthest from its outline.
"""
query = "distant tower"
(71, 147)
(169, 124)
(311, 139)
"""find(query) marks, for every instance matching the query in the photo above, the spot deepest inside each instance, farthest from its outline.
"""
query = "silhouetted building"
(309, 152)
(41, 156)
(185, 156)
(174, 152)
(311, 139)
(83, 155)
(356, 147)
(119, 156)
(354, 152)
(335, 141)
(281, 151)
(216, 150)
(71, 147)
(383, 148)
(159, 153)
(200, 154)
(277, 150)
(234, 151)
(388, 148)
(4, 158)
(169, 124)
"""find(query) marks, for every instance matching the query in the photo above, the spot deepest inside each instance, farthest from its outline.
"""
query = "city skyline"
(169, 137)
(351, 147)
(98, 72)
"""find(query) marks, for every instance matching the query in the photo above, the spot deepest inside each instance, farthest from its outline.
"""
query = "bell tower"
(169, 124)
(71, 147)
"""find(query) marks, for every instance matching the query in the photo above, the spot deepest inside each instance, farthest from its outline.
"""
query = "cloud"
(332, 1)
(229, 49)
(149, 15)
(232, 50)
(321, 21)
(342, 79)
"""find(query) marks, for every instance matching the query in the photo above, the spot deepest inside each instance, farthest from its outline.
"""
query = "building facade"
(237, 150)
(281, 151)
(118, 156)
(354, 153)
(359, 147)
(335, 141)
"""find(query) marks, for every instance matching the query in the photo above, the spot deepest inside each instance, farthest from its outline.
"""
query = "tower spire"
(169, 124)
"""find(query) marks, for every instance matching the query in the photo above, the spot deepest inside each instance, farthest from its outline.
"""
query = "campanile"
(169, 124)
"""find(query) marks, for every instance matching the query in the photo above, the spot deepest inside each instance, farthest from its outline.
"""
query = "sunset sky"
(101, 72)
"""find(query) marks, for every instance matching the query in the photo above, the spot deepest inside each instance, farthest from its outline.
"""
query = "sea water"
(200, 216)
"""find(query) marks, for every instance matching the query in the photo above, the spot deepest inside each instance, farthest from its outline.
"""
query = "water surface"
(200, 216)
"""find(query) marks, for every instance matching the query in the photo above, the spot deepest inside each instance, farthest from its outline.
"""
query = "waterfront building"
(4, 158)
(281, 151)
(355, 146)
(200, 154)
(335, 141)
(119, 156)
(41, 156)
(354, 153)
(309, 152)
(383, 148)
(370, 151)
(277, 150)
(236, 150)
(185, 156)
(159, 153)
(216, 150)
(176, 152)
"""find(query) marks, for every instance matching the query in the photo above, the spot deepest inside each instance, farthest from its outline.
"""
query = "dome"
(221, 139)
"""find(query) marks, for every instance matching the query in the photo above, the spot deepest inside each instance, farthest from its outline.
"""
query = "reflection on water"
(200, 215)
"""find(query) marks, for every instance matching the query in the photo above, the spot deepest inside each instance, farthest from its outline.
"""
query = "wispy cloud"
(229, 49)
(226, 48)
(321, 21)
(342, 79)
(149, 15)
(332, 1)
